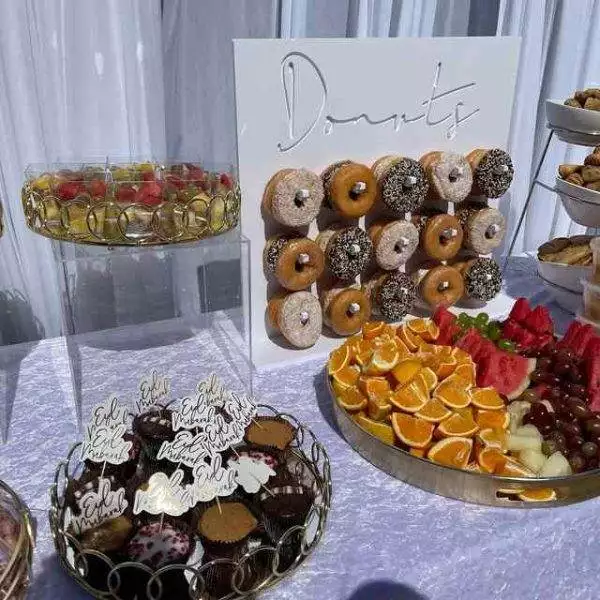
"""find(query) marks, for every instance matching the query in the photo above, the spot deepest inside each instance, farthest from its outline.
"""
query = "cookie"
(553, 246)
(592, 159)
(565, 170)
(590, 174)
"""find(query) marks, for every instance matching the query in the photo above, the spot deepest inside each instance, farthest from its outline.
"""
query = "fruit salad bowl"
(501, 414)
(130, 203)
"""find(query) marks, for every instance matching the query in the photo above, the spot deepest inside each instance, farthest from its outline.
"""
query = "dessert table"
(385, 540)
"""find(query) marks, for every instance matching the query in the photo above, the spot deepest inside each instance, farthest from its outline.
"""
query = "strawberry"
(97, 188)
(195, 173)
(67, 190)
(175, 181)
(539, 320)
(150, 194)
(520, 310)
(126, 194)
(571, 333)
(511, 330)
(148, 176)
(226, 180)
(543, 340)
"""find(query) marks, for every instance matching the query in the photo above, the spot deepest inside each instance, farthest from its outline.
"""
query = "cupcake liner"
(255, 437)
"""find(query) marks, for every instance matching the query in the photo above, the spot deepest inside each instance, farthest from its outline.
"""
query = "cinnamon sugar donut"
(345, 310)
(347, 251)
(482, 277)
(441, 286)
(493, 172)
(392, 294)
(402, 182)
(450, 175)
(483, 228)
(293, 197)
(350, 188)
(441, 235)
(297, 316)
(296, 261)
(394, 243)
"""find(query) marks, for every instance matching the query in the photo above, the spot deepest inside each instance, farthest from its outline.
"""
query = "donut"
(294, 197)
(296, 261)
(392, 294)
(347, 251)
(441, 286)
(345, 310)
(402, 182)
(450, 176)
(350, 188)
(393, 243)
(483, 228)
(298, 317)
(493, 172)
(441, 235)
(482, 277)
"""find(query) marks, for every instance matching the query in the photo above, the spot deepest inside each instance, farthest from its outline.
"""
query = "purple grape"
(575, 375)
(561, 368)
(589, 449)
(575, 442)
(578, 408)
(565, 354)
(538, 376)
(574, 389)
(544, 363)
(577, 462)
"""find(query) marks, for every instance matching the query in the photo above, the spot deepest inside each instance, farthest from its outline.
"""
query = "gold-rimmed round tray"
(478, 488)
(17, 540)
(130, 204)
(310, 464)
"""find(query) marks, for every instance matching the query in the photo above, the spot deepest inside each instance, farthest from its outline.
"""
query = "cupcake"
(154, 428)
(270, 432)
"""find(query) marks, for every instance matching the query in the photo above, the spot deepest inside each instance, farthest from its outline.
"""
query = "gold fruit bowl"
(132, 204)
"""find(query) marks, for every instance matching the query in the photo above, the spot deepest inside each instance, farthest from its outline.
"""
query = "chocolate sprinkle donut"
(494, 174)
(274, 250)
(483, 279)
(327, 176)
(398, 191)
(341, 260)
(396, 296)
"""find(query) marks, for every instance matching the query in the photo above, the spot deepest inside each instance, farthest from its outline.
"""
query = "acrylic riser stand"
(180, 310)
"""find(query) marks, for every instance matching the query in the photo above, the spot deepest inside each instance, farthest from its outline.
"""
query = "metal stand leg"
(528, 200)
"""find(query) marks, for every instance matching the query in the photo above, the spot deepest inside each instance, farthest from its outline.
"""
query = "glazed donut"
(393, 243)
(347, 251)
(441, 286)
(492, 172)
(392, 294)
(350, 188)
(345, 310)
(293, 197)
(483, 228)
(482, 277)
(450, 175)
(296, 261)
(402, 182)
(297, 316)
(441, 235)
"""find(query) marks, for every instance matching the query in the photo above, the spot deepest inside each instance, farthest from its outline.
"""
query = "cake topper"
(152, 389)
(98, 506)
(163, 495)
(251, 474)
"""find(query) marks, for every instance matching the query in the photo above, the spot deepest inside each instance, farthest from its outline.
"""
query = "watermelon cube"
(570, 334)
(539, 320)
(520, 311)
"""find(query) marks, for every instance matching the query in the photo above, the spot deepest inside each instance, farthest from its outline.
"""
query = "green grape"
(506, 345)
(482, 318)
(494, 332)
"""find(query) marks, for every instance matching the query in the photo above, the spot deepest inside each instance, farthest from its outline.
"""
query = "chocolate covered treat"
(109, 536)
(271, 432)
(159, 544)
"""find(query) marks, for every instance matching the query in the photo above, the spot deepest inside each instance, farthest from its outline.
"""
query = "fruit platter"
(130, 203)
(502, 413)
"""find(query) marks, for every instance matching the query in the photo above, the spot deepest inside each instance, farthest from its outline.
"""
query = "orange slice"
(491, 460)
(473, 466)
(452, 396)
(426, 329)
(389, 330)
(373, 329)
(434, 411)
(347, 376)
(446, 367)
(457, 425)
(412, 431)
(409, 398)
(378, 409)
(420, 452)
(424, 347)
(406, 370)
(539, 495)
(339, 359)
(402, 348)
(384, 359)
(513, 468)
(462, 356)
(458, 381)
(409, 339)
(430, 378)
(492, 419)
(452, 452)
(352, 399)
(467, 372)
(364, 358)
(493, 438)
(374, 387)
(487, 398)
(380, 430)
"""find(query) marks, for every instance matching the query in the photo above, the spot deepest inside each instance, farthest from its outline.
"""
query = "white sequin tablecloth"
(385, 540)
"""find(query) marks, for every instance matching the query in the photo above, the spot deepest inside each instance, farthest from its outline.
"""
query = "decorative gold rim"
(310, 454)
(16, 574)
(192, 211)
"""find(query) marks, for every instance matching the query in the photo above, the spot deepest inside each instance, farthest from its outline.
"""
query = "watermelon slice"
(446, 322)
(520, 310)
(511, 330)
(580, 341)
(593, 368)
(507, 373)
(443, 317)
(594, 400)
(539, 320)
(571, 333)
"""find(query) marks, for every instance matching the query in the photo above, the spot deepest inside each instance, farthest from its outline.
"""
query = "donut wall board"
(306, 104)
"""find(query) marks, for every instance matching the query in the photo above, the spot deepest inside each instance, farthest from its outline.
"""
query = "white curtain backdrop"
(82, 79)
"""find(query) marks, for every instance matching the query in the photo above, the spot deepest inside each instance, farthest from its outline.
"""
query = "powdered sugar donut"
(483, 228)
(294, 197)
(298, 317)
(450, 175)
(394, 243)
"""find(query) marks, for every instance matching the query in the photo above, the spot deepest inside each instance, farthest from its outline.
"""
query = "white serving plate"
(565, 276)
(581, 204)
(569, 121)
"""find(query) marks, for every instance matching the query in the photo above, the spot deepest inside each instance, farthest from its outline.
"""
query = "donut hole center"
(443, 286)
(304, 318)
(352, 310)
(447, 235)
(301, 262)
(454, 175)
(301, 197)
(491, 231)
(360, 187)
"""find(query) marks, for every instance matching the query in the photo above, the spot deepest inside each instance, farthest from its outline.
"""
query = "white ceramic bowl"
(580, 120)
(570, 301)
(582, 205)
(567, 277)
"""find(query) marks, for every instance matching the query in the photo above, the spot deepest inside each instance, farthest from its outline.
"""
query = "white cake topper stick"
(218, 505)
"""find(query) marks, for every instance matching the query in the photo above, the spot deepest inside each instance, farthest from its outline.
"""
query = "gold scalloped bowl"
(130, 204)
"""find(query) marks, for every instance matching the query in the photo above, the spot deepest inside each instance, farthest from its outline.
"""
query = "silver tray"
(479, 488)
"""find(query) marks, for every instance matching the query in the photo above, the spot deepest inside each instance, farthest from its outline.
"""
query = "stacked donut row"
(294, 197)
